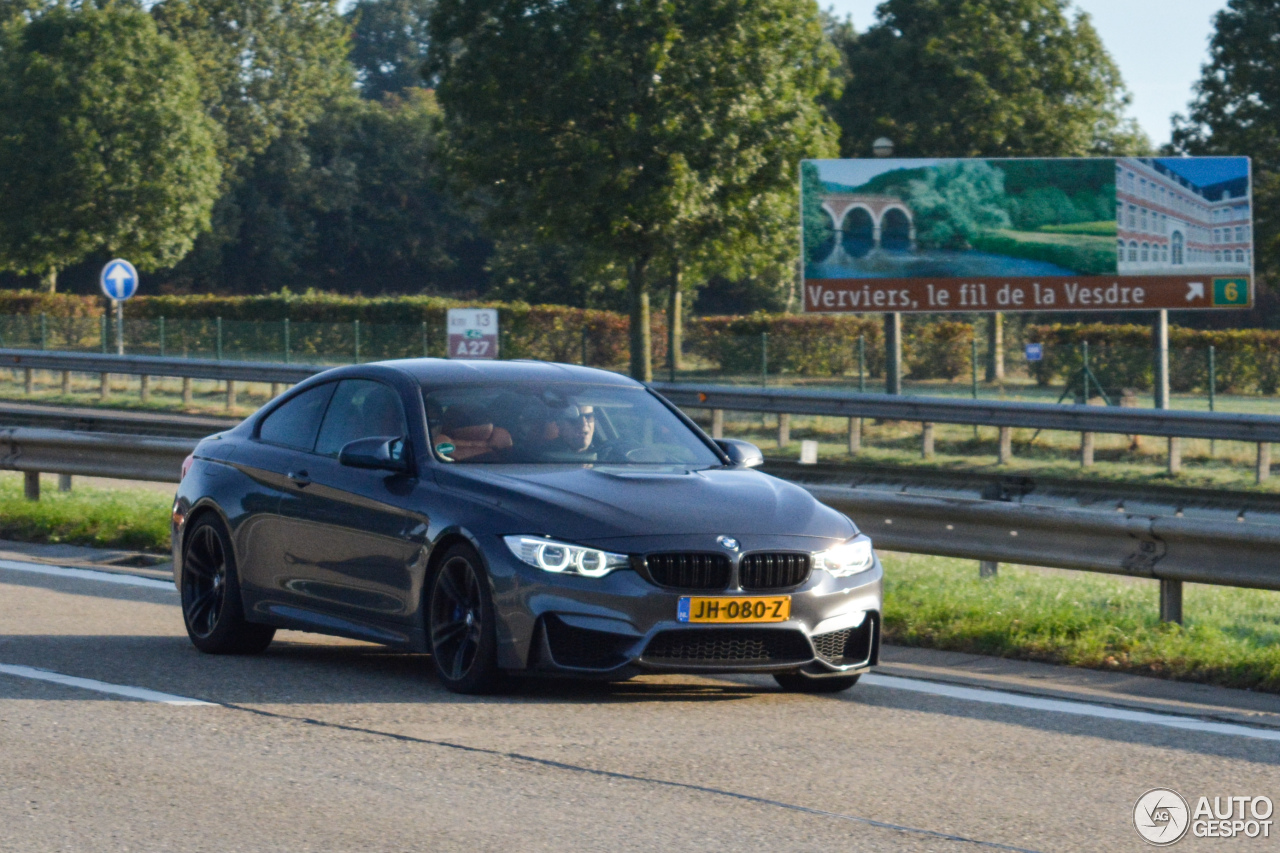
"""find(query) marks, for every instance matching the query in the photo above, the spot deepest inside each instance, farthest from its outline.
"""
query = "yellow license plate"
(774, 608)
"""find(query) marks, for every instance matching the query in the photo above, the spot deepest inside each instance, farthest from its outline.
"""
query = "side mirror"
(742, 454)
(381, 452)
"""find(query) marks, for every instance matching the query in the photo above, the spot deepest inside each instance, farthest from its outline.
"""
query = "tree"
(955, 202)
(389, 44)
(267, 68)
(983, 78)
(104, 143)
(662, 135)
(1236, 109)
(353, 205)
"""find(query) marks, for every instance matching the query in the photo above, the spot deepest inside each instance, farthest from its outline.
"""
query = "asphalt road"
(328, 745)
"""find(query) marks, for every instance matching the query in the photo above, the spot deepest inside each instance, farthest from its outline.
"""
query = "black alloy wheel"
(211, 606)
(461, 622)
(799, 682)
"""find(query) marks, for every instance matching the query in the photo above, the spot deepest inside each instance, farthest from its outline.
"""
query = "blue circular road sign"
(119, 280)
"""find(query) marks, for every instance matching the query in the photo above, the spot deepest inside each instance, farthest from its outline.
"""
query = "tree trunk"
(675, 326)
(49, 282)
(640, 336)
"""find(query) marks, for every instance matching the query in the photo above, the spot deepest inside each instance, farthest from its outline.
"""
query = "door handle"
(299, 479)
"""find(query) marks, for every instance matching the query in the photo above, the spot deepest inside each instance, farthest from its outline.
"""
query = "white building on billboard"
(1167, 225)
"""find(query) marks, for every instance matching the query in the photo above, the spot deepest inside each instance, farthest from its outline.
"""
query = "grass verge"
(134, 518)
(1231, 637)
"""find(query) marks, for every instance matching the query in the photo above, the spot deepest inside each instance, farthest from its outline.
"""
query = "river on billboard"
(1063, 234)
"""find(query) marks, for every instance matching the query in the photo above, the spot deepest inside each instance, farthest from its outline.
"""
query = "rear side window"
(361, 408)
(296, 423)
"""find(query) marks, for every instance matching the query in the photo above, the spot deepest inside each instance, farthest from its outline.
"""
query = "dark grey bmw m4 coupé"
(517, 517)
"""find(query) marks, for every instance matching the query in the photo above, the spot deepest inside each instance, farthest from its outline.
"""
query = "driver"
(577, 428)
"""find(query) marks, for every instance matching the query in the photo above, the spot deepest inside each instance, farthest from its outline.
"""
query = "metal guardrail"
(93, 454)
(88, 419)
(1222, 426)
(147, 365)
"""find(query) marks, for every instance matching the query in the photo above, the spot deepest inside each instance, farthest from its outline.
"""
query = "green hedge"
(1246, 360)
(806, 345)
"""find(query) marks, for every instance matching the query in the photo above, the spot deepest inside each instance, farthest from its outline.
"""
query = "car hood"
(585, 503)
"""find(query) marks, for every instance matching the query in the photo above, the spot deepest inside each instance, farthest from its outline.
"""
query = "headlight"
(563, 558)
(847, 559)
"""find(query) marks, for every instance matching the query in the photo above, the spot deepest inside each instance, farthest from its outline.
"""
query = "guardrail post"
(231, 394)
(1170, 601)
(717, 423)
(893, 353)
(784, 429)
(1264, 461)
(855, 436)
(275, 390)
(1006, 446)
(31, 485)
(66, 382)
(104, 386)
(355, 330)
(29, 381)
(144, 388)
(186, 390)
(64, 482)
(926, 440)
(1086, 450)
(988, 568)
(1175, 456)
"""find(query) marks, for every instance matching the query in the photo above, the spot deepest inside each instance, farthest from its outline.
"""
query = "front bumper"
(622, 624)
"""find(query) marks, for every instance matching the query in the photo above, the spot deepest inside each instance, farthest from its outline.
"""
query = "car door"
(282, 445)
(349, 552)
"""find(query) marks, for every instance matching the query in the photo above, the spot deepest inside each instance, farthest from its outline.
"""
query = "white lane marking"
(1064, 706)
(97, 686)
(86, 574)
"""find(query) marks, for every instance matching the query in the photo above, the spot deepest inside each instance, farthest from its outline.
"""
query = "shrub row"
(1246, 360)
(805, 345)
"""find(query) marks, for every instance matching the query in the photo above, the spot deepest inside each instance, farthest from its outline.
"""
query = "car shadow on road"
(306, 669)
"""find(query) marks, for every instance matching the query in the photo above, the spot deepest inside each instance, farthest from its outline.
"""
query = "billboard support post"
(1160, 340)
(995, 347)
(893, 353)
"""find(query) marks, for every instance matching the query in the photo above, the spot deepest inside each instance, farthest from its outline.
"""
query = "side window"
(296, 423)
(361, 408)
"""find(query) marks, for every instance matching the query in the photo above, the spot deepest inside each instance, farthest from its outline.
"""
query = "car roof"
(445, 371)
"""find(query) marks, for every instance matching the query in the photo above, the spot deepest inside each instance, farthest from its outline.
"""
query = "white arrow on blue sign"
(119, 280)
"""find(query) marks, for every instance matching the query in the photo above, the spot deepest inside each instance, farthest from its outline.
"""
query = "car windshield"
(560, 423)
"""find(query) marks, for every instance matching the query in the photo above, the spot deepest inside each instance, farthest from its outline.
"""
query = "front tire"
(464, 645)
(799, 682)
(211, 604)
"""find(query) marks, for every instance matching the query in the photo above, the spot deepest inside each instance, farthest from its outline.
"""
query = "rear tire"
(461, 624)
(799, 682)
(211, 604)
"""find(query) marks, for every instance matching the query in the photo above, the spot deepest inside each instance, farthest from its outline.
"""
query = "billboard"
(1066, 234)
